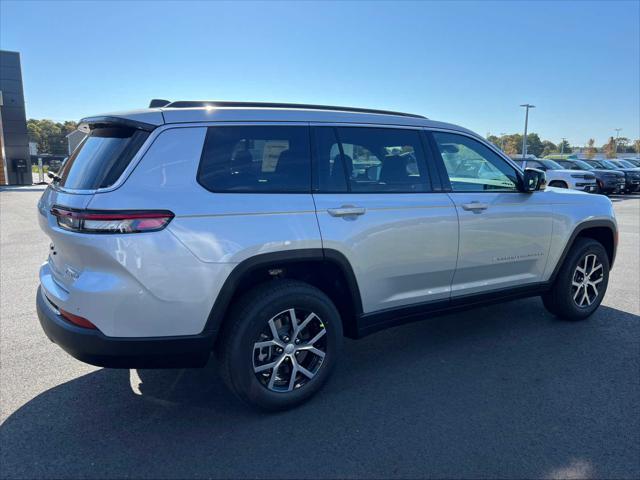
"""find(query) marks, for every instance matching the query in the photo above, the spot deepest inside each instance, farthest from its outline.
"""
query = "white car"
(559, 177)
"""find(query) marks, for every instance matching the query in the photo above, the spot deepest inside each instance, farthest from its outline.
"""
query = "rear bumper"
(91, 346)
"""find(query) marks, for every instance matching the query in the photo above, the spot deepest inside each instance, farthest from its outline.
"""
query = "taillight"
(77, 320)
(87, 221)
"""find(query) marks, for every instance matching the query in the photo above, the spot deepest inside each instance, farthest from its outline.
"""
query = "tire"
(558, 184)
(253, 319)
(599, 190)
(564, 297)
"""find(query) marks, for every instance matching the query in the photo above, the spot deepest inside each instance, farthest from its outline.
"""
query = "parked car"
(561, 156)
(633, 161)
(560, 177)
(624, 163)
(262, 233)
(609, 181)
(631, 175)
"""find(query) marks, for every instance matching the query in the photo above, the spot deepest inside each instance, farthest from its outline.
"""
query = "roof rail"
(205, 103)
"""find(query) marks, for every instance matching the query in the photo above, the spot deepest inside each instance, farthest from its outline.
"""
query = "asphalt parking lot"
(506, 391)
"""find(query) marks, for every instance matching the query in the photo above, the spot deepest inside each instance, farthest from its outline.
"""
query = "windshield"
(594, 163)
(550, 164)
(101, 158)
(610, 165)
(626, 163)
(582, 165)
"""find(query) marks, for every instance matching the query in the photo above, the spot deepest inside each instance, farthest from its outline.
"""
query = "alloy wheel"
(588, 274)
(290, 350)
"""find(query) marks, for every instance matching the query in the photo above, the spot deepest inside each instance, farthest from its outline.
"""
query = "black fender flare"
(251, 264)
(581, 227)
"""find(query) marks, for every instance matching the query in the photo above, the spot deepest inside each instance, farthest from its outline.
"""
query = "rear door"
(505, 234)
(376, 204)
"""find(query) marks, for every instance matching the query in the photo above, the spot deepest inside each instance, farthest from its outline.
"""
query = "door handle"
(475, 207)
(346, 211)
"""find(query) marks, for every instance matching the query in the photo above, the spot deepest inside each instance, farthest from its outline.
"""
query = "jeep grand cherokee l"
(264, 233)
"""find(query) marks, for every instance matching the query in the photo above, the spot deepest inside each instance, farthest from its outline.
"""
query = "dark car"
(631, 175)
(609, 181)
(633, 161)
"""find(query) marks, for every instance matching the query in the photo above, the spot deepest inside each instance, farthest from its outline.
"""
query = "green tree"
(636, 146)
(50, 136)
(548, 148)
(534, 144)
(622, 143)
(591, 150)
(564, 147)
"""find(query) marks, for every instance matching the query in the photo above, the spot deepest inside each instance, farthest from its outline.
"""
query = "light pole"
(524, 139)
(617, 135)
(562, 145)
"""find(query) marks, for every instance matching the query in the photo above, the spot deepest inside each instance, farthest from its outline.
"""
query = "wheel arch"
(557, 181)
(603, 231)
(326, 269)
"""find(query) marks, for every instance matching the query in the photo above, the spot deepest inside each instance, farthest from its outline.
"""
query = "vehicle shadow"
(503, 391)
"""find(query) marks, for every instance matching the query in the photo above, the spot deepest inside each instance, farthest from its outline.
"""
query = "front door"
(376, 206)
(505, 234)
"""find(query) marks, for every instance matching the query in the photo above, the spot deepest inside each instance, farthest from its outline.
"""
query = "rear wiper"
(54, 176)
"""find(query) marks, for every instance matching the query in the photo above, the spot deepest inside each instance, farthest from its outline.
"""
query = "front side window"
(370, 160)
(256, 159)
(472, 166)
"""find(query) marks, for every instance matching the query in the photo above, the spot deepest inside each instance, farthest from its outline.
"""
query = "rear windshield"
(100, 160)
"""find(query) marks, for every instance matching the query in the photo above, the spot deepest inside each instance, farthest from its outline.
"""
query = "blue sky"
(470, 63)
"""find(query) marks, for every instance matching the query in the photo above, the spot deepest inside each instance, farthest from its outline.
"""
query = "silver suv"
(264, 233)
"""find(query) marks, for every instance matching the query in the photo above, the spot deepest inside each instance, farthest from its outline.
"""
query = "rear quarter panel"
(218, 230)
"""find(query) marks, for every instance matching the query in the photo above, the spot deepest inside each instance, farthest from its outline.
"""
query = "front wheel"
(279, 344)
(581, 282)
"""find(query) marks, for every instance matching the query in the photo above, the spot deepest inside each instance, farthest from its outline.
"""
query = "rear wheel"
(280, 344)
(581, 282)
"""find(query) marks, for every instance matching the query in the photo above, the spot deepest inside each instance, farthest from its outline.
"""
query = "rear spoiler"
(158, 103)
(89, 123)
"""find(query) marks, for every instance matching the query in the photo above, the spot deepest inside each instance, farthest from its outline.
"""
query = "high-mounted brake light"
(86, 221)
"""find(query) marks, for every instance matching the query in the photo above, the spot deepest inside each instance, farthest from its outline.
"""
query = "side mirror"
(533, 180)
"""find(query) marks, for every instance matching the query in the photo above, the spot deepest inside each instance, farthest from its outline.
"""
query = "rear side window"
(370, 160)
(258, 159)
(100, 160)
